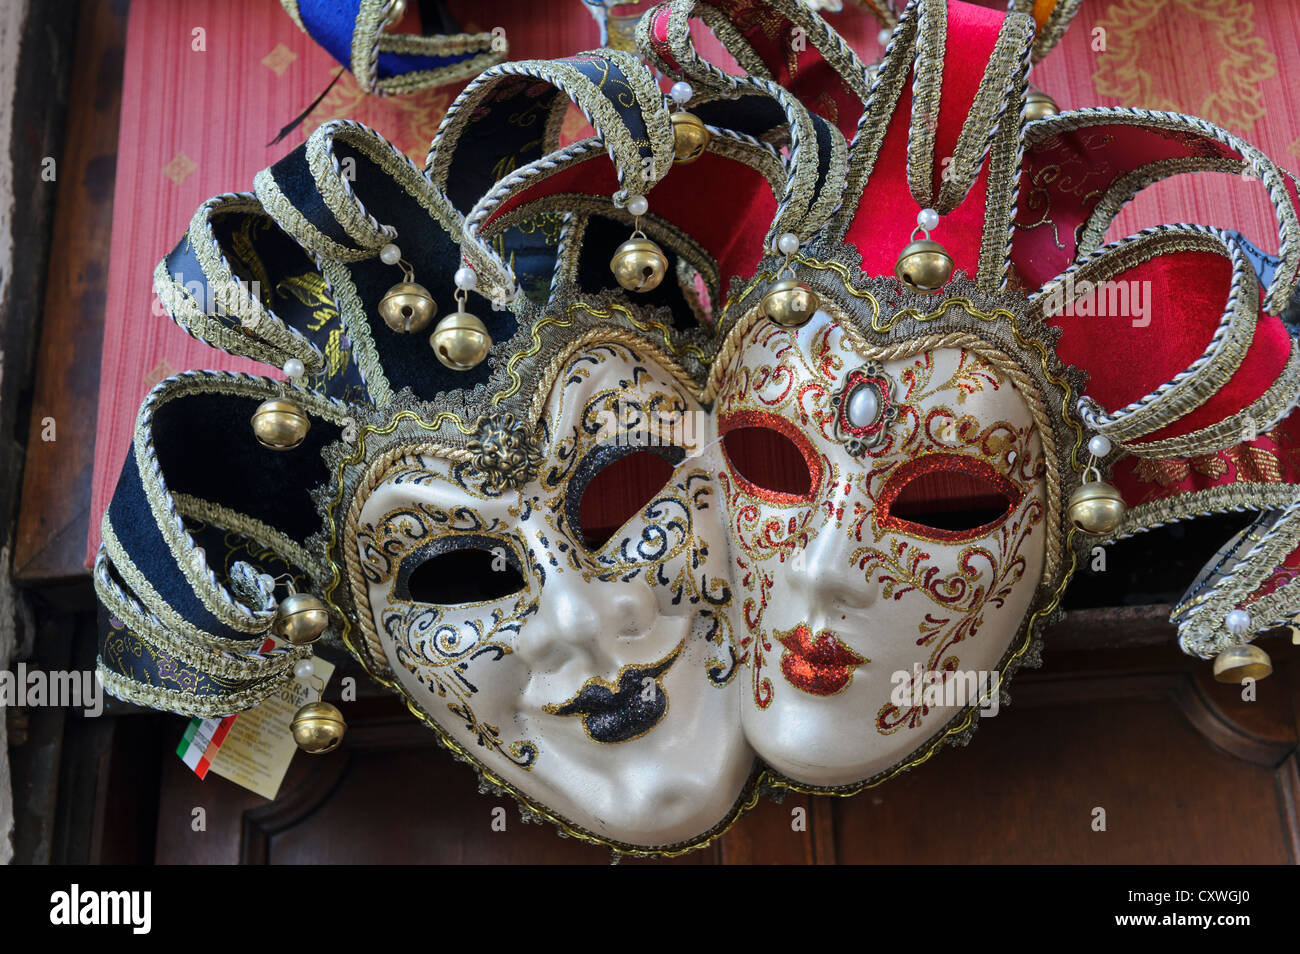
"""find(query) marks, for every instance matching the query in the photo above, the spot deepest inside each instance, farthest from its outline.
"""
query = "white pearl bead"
(1238, 622)
(294, 368)
(465, 278)
(928, 219)
(864, 406)
(883, 37)
(681, 92)
(787, 243)
(304, 669)
(638, 205)
(390, 254)
(1099, 445)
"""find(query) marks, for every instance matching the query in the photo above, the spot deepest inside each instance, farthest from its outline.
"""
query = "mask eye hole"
(946, 497)
(769, 458)
(460, 572)
(614, 484)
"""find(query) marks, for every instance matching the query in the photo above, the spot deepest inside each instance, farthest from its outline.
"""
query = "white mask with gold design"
(887, 526)
(570, 634)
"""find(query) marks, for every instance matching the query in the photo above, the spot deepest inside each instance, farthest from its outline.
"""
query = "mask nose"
(589, 622)
(824, 574)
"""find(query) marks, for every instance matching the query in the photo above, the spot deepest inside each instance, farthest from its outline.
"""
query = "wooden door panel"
(1186, 771)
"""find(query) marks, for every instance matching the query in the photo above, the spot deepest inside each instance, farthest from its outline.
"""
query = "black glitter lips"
(630, 710)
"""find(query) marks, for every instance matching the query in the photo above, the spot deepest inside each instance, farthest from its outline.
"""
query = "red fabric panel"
(1273, 457)
(1186, 293)
(972, 34)
(726, 206)
(886, 215)
(1269, 350)
(1074, 169)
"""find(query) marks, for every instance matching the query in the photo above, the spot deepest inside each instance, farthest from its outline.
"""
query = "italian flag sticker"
(201, 740)
(203, 737)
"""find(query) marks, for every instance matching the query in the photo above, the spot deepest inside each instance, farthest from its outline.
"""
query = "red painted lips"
(820, 665)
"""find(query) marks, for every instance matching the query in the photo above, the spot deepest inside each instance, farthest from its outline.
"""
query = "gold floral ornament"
(1231, 51)
(504, 452)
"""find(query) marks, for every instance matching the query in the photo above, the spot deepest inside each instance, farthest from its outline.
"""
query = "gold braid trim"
(690, 65)
(882, 100)
(931, 40)
(583, 207)
(263, 335)
(243, 664)
(624, 150)
(1126, 187)
(1278, 294)
(1269, 408)
(1202, 629)
(990, 111)
(1057, 22)
(153, 602)
(197, 323)
(1203, 503)
(187, 703)
(356, 325)
(288, 217)
(370, 37)
(215, 597)
(286, 548)
(994, 269)
(1226, 350)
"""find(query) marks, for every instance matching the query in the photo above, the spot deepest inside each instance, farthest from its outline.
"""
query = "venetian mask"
(887, 512)
(566, 633)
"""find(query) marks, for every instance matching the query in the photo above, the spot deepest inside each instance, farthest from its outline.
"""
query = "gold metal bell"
(1096, 507)
(280, 424)
(790, 303)
(924, 265)
(1038, 105)
(407, 307)
(690, 137)
(1242, 662)
(300, 618)
(460, 341)
(318, 727)
(639, 264)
